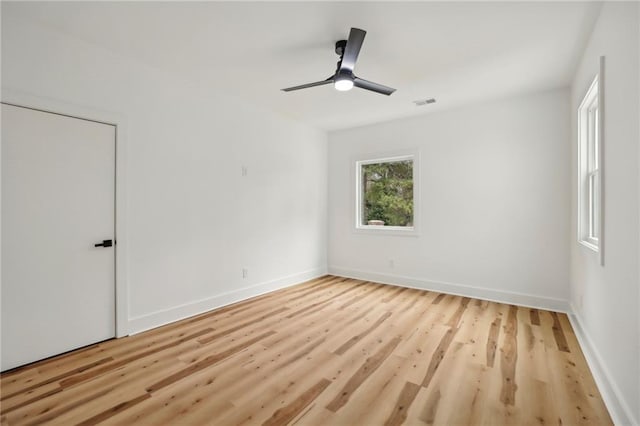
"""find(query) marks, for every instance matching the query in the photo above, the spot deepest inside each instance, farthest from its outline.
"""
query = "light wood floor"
(332, 351)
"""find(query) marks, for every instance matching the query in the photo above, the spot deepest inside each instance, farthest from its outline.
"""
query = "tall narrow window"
(385, 198)
(589, 191)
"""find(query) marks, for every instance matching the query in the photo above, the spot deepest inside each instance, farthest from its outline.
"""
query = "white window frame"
(590, 188)
(387, 158)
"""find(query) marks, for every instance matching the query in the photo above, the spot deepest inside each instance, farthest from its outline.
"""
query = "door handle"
(104, 243)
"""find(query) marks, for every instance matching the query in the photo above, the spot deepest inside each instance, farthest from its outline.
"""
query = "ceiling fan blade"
(305, 86)
(374, 87)
(351, 51)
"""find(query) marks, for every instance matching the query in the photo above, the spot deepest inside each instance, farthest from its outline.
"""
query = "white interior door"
(58, 188)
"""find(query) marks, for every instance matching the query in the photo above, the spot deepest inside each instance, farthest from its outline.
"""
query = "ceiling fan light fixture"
(343, 84)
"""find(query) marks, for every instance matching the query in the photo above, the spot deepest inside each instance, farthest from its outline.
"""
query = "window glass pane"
(595, 139)
(591, 201)
(387, 193)
(590, 139)
(596, 202)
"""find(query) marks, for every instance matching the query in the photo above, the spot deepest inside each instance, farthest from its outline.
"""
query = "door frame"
(118, 120)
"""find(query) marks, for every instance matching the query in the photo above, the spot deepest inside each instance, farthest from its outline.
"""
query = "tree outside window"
(386, 192)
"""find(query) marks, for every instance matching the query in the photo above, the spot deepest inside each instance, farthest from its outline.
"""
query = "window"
(385, 194)
(589, 190)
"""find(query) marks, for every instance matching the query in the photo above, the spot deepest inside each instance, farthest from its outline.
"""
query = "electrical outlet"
(245, 273)
(245, 170)
(392, 263)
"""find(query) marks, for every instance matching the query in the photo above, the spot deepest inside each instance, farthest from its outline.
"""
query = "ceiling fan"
(344, 79)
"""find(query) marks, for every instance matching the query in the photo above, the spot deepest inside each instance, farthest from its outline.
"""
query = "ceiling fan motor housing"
(343, 75)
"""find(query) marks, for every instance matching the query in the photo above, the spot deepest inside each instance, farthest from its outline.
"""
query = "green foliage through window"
(387, 193)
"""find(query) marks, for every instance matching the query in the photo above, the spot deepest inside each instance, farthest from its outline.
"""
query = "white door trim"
(118, 120)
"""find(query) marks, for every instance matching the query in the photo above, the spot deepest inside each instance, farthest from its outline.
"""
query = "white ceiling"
(456, 52)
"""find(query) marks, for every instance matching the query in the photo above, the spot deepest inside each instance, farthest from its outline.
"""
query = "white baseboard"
(163, 317)
(520, 299)
(619, 410)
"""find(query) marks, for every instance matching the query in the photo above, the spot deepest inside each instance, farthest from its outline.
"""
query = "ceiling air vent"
(424, 101)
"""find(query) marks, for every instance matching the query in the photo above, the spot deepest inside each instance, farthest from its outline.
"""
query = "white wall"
(193, 222)
(494, 189)
(605, 299)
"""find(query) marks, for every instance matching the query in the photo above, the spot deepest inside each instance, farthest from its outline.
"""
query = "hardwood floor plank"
(59, 377)
(286, 414)
(330, 351)
(452, 375)
(215, 336)
(372, 290)
(509, 357)
(430, 408)
(455, 318)
(492, 342)
(355, 339)
(47, 416)
(558, 333)
(7, 407)
(127, 381)
(535, 316)
(438, 356)
(403, 404)
(195, 397)
(110, 412)
(322, 303)
(438, 299)
(207, 362)
(393, 294)
(375, 398)
(77, 378)
(368, 367)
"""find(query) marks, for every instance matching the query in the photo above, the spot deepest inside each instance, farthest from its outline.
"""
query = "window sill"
(589, 245)
(387, 231)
